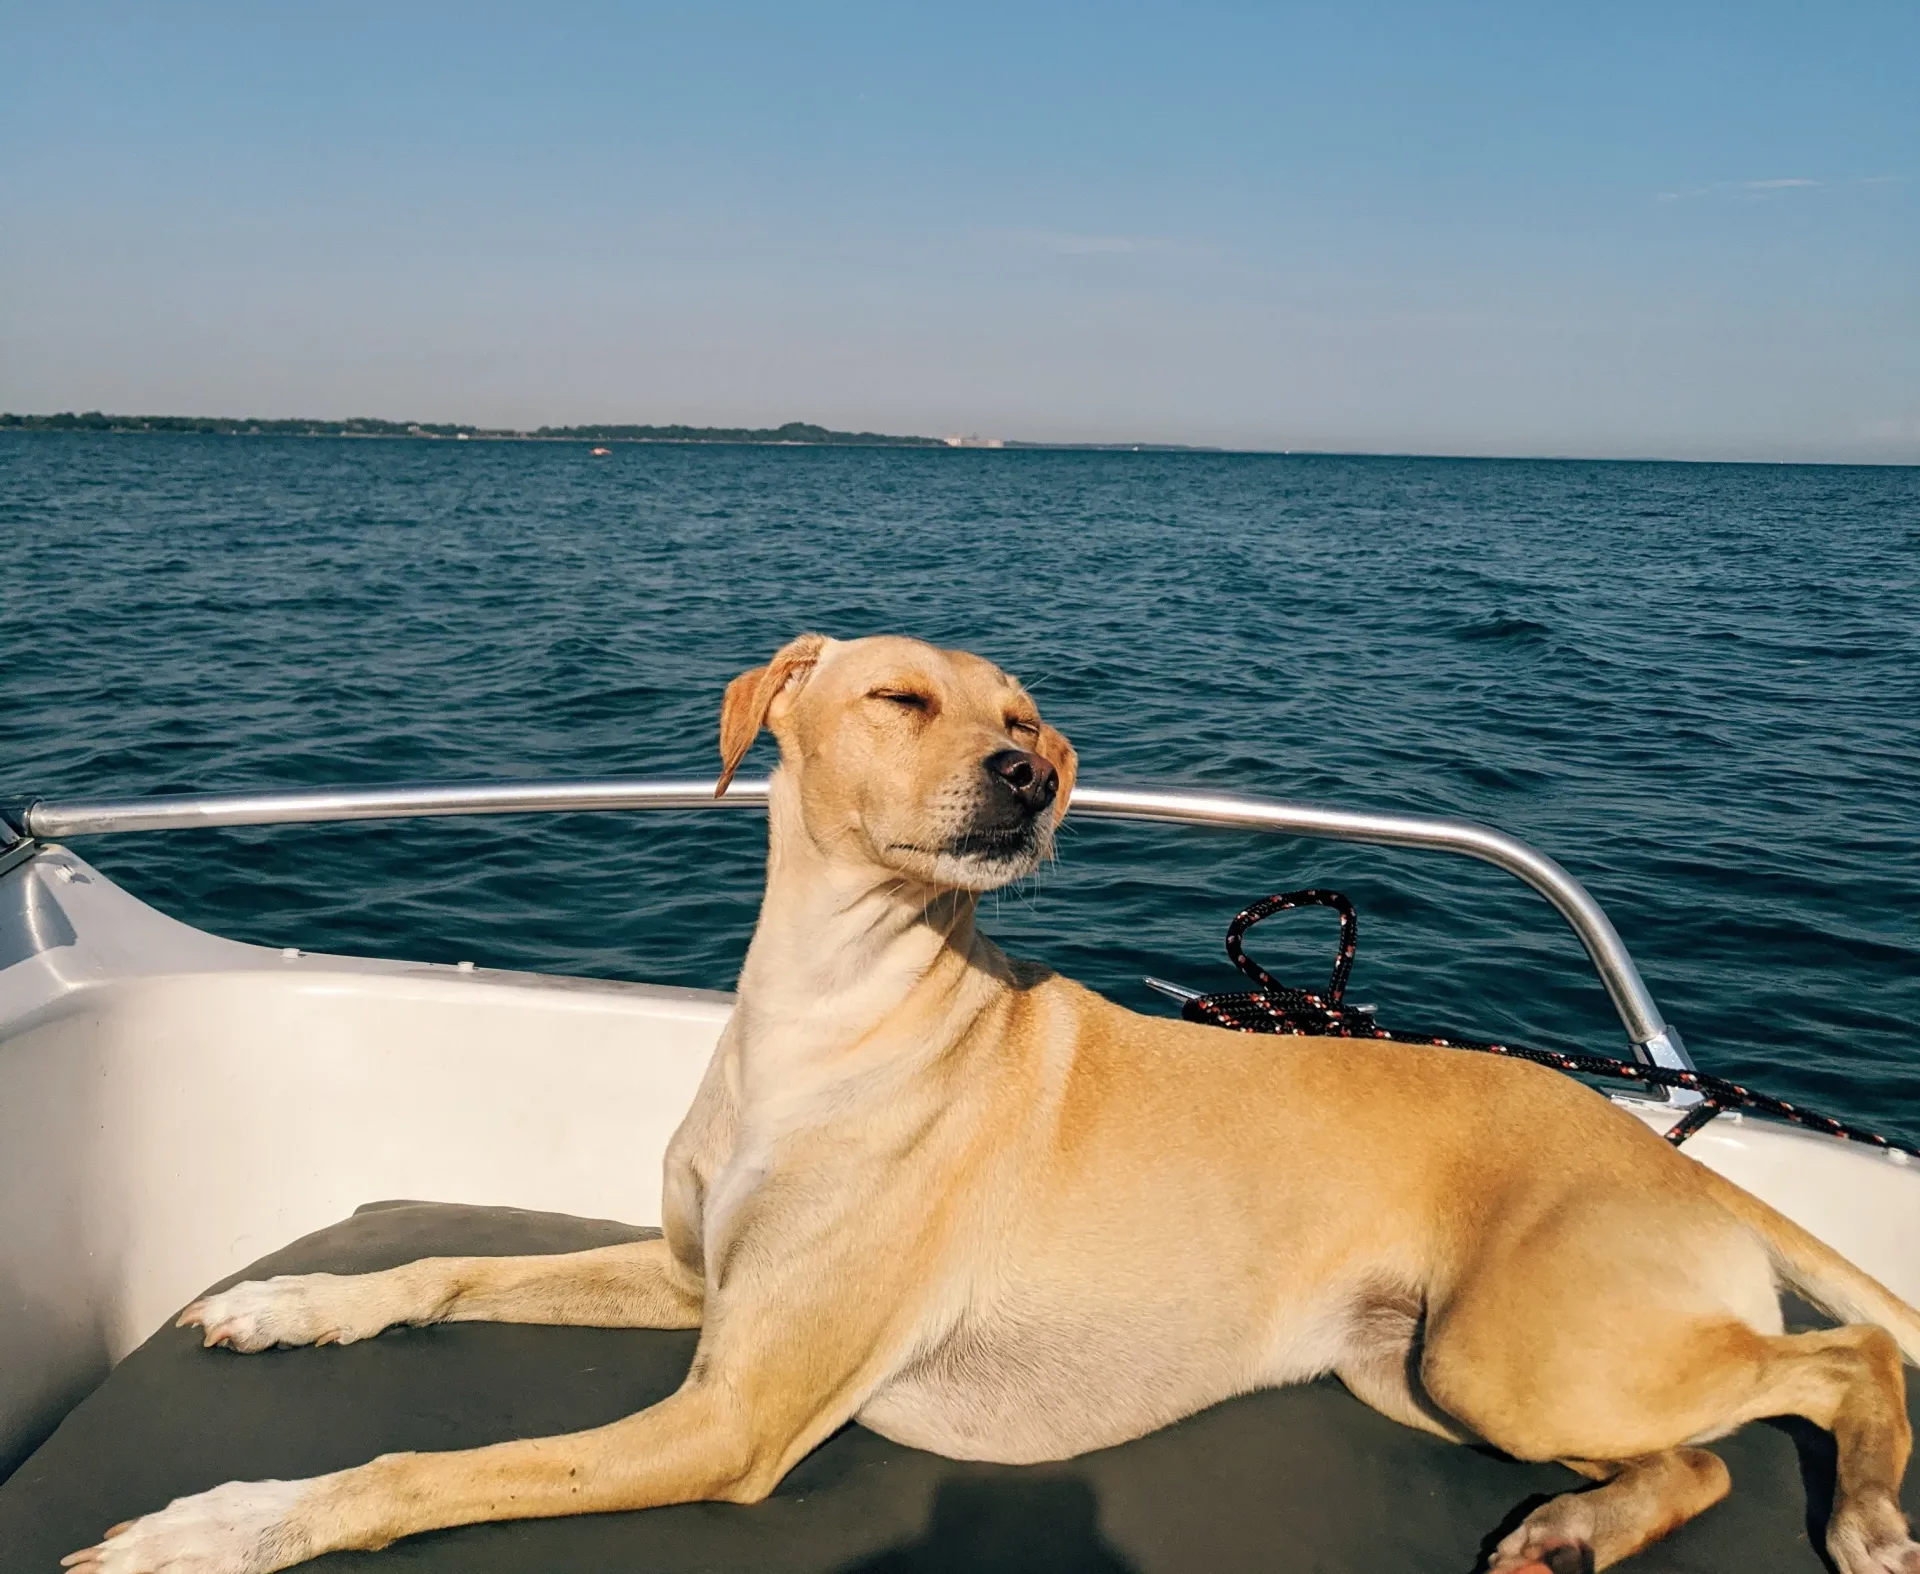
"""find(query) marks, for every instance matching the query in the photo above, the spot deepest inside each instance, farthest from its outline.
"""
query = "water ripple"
(1693, 685)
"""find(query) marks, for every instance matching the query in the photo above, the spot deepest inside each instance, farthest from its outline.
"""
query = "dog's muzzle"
(1019, 785)
(1019, 788)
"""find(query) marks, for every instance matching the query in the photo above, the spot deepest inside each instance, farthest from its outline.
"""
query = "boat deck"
(1295, 1480)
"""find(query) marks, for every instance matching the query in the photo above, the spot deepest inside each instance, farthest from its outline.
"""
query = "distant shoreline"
(794, 434)
(801, 434)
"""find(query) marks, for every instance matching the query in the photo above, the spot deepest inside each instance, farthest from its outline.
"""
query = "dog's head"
(930, 763)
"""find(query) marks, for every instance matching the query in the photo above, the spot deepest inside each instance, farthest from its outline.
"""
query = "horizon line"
(673, 434)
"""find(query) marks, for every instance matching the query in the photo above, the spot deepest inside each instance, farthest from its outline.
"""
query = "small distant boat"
(601, 453)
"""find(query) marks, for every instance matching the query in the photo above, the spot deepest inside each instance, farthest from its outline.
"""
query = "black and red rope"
(1273, 1007)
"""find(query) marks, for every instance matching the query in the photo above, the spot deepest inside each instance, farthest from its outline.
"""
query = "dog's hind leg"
(1634, 1400)
(1639, 1502)
(638, 1284)
(1850, 1381)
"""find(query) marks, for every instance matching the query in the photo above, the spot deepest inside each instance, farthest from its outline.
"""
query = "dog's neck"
(852, 965)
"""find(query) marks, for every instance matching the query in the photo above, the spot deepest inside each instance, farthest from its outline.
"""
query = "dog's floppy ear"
(751, 695)
(1052, 746)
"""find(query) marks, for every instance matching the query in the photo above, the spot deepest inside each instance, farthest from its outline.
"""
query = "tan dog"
(986, 1212)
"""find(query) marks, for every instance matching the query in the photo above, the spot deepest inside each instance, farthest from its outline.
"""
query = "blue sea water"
(1698, 687)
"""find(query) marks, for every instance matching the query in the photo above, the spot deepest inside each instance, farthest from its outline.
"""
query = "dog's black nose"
(1031, 780)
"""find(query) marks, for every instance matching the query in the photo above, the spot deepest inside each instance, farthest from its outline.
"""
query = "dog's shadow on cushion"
(1010, 1524)
(1819, 1461)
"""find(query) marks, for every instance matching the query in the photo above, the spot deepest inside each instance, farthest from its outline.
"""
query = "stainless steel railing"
(1653, 1040)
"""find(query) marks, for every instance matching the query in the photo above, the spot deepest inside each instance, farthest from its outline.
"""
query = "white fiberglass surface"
(159, 1132)
(200, 1122)
(1861, 1202)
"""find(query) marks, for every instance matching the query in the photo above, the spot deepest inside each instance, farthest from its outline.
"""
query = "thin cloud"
(1760, 190)
(1068, 244)
(1749, 190)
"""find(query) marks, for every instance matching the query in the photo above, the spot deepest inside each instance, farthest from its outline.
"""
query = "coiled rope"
(1274, 1007)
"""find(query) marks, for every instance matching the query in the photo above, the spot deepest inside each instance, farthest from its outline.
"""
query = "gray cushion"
(1302, 1479)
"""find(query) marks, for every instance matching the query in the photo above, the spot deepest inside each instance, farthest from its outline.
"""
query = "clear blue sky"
(1682, 229)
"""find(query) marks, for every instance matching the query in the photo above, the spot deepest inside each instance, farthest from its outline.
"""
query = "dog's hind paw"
(1560, 1557)
(1901, 1557)
(243, 1527)
(1871, 1537)
(309, 1308)
(1858, 1555)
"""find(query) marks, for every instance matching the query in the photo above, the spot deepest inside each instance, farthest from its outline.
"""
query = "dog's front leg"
(637, 1284)
(698, 1444)
(788, 1353)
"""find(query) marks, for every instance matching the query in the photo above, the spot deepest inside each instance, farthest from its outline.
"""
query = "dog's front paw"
(307, 1308)
(244, 1527)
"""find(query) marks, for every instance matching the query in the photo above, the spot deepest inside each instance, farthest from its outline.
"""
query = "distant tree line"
(358, 426)
(364, 426)
(792, 432)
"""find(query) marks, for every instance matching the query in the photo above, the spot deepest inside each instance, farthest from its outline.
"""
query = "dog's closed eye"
(906, 699)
